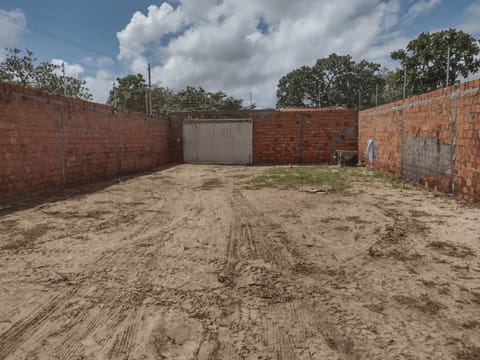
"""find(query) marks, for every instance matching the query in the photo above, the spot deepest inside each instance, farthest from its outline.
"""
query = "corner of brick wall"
(432, 139)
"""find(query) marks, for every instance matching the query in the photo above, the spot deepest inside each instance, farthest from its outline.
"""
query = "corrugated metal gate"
(217, 141)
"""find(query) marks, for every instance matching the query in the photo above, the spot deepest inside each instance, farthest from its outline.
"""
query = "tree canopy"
(21, 68)
(333, 81)
(340, 81)
(426, 59)
(130, 93)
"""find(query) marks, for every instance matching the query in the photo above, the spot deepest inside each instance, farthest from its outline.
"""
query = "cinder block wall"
(432, 139)
(47, 142)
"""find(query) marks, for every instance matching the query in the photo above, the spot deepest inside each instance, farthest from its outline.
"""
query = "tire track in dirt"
(21, 330)
(123, 344)
(254, 236)
(143, 252)
(103, 321)
(98, 323)
(260, 263)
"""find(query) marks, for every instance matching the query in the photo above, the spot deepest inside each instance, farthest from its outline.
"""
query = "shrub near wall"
(432, 139)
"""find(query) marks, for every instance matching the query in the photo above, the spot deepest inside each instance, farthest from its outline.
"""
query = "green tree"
(426, 59)
(195, 99)
(20, 68)
(335, 78)
(221, 101)
(333, 81)
(296, 86)
(129, 93)
(163, 99)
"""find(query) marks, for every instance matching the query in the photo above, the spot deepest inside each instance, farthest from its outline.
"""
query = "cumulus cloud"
(472, 23)
(12, 26)
(73, 70)
(100, 85)
(242, 47)
(421, 7)
(98, 62)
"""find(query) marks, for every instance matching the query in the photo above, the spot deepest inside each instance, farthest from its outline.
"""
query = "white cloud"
(472, 23)
(99, 62)
(73, 70)
(238, 47)
(421, 7)
(12, 26)
(100, 85)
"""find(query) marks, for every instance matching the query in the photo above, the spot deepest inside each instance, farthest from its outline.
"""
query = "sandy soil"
(193, 263)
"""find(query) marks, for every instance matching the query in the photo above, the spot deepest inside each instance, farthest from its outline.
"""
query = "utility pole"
(376, 95)
(115, 99)
(64, 80)
(319, 96)
(359, 100)
(404, 80)
(251, 100)
(149, 90)
(448, 67)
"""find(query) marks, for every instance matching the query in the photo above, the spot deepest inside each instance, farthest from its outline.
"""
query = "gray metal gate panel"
(218, 141)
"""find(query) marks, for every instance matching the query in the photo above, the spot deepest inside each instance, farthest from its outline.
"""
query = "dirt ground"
(193, 262)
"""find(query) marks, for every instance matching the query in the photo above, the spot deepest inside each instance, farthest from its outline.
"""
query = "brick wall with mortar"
(48, 142)
(293, 137)
(432, 139)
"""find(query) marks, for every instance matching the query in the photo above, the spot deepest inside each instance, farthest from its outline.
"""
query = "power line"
(53, 36)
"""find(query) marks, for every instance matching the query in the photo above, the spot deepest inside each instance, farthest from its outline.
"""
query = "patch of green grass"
(391, 179)
(333, 177)
(336, 178)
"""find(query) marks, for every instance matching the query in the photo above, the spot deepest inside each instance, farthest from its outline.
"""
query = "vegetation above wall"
(21, 68)
(340, 81)
(130, 93)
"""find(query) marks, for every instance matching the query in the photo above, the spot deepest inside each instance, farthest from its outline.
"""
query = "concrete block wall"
(48, 142)
(432, 139)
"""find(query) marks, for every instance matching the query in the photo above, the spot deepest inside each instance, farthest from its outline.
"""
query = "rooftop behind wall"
(432, 139)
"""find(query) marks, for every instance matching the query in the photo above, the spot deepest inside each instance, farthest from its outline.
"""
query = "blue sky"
(230, 45)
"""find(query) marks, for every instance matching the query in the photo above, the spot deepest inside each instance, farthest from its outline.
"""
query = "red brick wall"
(276, 138)
(47, 142)
(384, 126)
(326, 131)
(467, 163)
(29, 143)
(432, 139)
(292, 137)
(309, 137)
